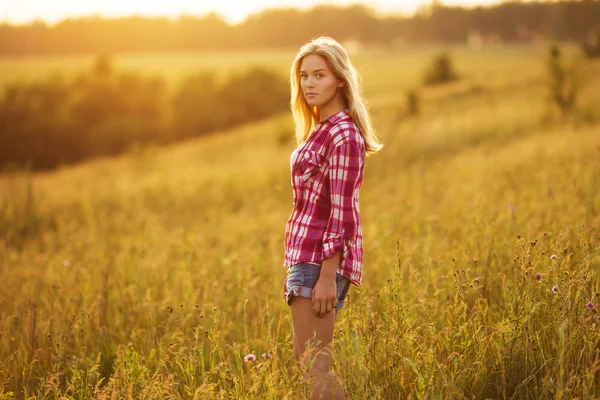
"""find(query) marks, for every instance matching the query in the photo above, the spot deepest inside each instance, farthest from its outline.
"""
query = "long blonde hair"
(307, 117)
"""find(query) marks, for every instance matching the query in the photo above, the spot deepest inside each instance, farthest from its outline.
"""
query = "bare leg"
(317, 357)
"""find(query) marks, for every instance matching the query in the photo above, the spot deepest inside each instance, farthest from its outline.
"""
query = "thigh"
(312, 335)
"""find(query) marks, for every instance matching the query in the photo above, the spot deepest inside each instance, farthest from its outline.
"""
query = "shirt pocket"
(309, 165)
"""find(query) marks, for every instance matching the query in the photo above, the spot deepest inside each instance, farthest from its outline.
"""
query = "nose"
(309, 82)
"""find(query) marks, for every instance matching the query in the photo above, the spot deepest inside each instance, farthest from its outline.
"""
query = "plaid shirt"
(327, 174)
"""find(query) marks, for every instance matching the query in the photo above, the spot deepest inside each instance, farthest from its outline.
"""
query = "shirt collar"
(340, 116)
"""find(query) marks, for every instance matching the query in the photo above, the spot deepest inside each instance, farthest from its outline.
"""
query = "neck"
(333, 107)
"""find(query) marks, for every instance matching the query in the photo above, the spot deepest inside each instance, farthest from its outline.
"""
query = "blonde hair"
(307, 117)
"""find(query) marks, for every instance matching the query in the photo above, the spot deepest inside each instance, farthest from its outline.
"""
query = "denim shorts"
(303, 277)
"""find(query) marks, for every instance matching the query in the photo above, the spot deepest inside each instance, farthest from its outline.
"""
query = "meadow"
(152, 275)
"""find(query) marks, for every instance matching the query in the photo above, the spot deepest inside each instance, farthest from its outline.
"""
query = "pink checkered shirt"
(327, 173)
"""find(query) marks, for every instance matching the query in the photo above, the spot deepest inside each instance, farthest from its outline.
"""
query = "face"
(319, 85)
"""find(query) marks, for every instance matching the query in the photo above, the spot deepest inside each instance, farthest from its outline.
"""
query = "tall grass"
(161, 270)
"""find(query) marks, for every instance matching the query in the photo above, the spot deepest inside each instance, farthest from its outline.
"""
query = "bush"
(284, 135)
(202, 105)
(441, 70)
(563, 82)
(591, 44)
(105, 112)
(195, 106)
(254, 94)
(413, 103)
(103, 66)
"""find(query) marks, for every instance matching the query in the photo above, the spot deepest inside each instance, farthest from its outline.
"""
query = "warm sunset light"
(186, 201)
(233, 11)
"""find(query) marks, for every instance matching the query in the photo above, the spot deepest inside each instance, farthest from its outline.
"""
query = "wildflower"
(554, 289)
(553, 257)
(589, 305)
(538, 277)
(249, 357)
(511, 208)
(267, 356)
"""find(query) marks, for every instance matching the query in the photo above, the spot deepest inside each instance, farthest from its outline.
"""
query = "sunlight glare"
(233, 11)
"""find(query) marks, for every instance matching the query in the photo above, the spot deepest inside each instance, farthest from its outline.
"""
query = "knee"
(317, 370)
(315, 361)
(321, 363)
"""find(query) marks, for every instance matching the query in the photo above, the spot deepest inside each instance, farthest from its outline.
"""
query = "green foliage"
(563, 82)
(441, 70)
(254, 94)
(55, 121)
(202, 105)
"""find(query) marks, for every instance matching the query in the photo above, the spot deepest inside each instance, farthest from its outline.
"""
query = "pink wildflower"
(553, 257)
(554, 289)
(589, 305)
(249, 357)
(267, 356)
(538, 277)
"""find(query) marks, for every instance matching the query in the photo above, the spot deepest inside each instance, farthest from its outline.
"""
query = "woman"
(323, 238)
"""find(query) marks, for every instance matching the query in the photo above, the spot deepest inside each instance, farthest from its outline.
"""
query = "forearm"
(345, 172)
(329, 265)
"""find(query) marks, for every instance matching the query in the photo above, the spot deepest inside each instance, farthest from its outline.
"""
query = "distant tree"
(106, 112)
(562, 81)
(413, 106)
(254, 94)
(201, 104)
(561, 20)
(591, 43)
(103, 66)
(195, 109)
(441, 70)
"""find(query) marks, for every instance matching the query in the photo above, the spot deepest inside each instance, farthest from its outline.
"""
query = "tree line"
(59, 121)
(508, 21)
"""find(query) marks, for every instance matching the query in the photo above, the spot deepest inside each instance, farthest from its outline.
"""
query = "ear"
(341, 83)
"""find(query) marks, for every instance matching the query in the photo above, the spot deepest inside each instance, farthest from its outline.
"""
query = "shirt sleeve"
(345, 170)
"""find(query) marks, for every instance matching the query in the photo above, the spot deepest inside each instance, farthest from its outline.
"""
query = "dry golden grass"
(152, 275)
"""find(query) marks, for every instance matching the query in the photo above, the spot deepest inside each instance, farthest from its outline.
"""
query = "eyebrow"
(316, 70)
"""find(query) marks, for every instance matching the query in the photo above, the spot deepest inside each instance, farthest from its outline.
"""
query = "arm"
(324, 294)
(345, 166)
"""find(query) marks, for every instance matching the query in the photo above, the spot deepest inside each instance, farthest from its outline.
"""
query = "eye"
(320, 75)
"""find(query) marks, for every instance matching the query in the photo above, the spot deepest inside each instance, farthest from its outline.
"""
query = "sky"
(233, 11)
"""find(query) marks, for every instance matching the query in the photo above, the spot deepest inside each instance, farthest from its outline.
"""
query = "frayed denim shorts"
(303, 277)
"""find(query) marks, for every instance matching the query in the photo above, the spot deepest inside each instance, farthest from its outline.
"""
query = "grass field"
(152, 275)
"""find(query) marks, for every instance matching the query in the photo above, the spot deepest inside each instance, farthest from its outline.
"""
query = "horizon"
(233, 12)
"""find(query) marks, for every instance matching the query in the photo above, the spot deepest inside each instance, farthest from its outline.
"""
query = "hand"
(324, 296)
